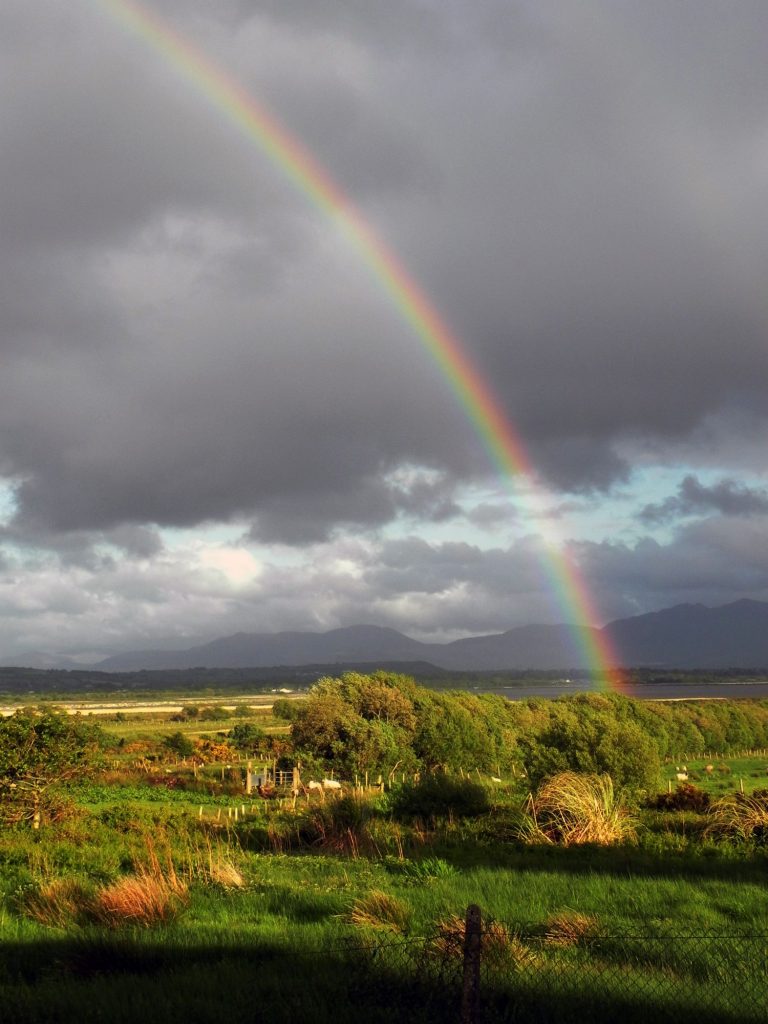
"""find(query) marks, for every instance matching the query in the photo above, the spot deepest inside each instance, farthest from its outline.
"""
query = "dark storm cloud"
(186, 340)
(694, 498)
(311, 517)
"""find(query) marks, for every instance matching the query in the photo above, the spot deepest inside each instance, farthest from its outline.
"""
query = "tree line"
(378, 722)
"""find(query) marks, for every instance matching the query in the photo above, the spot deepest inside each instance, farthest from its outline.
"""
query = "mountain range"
(685, 636)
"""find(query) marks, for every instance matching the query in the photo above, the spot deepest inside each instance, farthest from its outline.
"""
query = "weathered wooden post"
(470, 993)
(249, 777)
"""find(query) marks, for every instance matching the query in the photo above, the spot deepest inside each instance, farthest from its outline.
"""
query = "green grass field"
(155, 895)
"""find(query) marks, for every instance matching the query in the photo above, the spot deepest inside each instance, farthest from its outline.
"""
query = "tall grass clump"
(502, 948)
(570, 809)
(740, 818)
(379, 910)
(143, 899)
(57, 903)
(153, 894)
(570, 928)
(344, 826)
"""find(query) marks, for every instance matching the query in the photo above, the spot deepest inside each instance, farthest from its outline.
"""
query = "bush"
(436, 796)
(685, 798)
(339, 826)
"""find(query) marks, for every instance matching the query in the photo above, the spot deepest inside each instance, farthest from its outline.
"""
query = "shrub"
(179, 744)
(686, 797)
(571, 809)
(439, 795)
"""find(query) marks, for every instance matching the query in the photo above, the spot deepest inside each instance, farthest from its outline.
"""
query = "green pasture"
(280, 944)
(744, 773)
(152, 891)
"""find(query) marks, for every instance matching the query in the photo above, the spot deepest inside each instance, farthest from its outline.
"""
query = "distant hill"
(685, 636)
(694, 636)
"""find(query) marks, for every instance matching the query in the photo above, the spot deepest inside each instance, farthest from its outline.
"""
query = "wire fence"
(517, 974)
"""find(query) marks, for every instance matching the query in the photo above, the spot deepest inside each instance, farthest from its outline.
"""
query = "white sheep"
(682, 776)
(331, 784)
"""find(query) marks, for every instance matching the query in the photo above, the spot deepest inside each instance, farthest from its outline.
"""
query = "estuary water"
(643, 691)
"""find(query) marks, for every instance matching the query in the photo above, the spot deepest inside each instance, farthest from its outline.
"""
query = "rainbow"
(474, 394)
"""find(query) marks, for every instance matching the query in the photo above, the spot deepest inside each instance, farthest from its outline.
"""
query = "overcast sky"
(211, 417)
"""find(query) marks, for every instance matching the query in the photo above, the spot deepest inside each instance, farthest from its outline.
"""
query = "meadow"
(156, 888)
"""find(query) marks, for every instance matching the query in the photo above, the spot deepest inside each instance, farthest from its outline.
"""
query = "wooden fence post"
(470, 993)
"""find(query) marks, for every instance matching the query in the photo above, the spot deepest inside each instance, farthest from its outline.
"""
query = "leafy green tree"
(179, 744)
(352, 725)
(247, 736)
(286, 710)
(39, 750)
(213, 713)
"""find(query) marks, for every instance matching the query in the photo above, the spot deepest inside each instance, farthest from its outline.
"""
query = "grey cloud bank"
(187, 342)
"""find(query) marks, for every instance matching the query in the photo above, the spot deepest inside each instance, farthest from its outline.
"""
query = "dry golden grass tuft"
(55, 904)
(569, 928)
(154, 894)
(379, 910)
(570, 809)
(143, 899)
(501, 947)
(739, 817)
(222, 871)
(214, 865)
